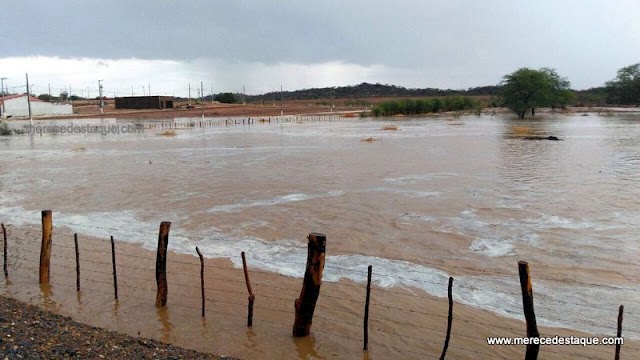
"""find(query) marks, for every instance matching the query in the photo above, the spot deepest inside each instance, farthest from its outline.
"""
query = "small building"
(144, 102)
(18, 106)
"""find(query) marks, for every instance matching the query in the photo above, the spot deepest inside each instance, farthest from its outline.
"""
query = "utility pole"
(333, 94)
(29, 100)
(244, 94)
(149, 88)
(2, 90)
(273, 96)
(49, 91)
(189, 93)
(100, 92)
(281, 100)
(212, 93)
(132, 90)
(202, 98)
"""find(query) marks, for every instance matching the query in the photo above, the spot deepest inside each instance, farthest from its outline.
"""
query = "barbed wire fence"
(397, 321)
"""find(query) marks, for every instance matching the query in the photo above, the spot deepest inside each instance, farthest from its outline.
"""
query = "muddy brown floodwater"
(437, 197)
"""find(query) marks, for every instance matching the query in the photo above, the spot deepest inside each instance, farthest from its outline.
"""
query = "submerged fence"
(367, 329)
(191, 123)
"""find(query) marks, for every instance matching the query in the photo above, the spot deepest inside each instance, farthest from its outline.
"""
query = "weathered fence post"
(45, 248)
(366, 309)
(529, 314)
(251, 296)
(115, 274)
(161, 264)
(4, 236)
(201, 278)
(75, 243)
(306, 303)
(619, 333)
(449, 319)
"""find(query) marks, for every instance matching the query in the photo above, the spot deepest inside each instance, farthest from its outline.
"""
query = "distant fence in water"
(191, 123)
(68, 255)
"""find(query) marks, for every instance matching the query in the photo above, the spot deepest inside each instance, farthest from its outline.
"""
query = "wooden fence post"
(201, 278)
(366, 309)
(75, 242)
(4, 236)
(529, 313)
(306, 303)
(115, 274)
(251, 296)
(45, 248)
(161, 264)
(449, 319)
(619, 333)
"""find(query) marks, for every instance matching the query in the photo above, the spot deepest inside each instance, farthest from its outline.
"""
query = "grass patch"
(389, 128)
(4, 129)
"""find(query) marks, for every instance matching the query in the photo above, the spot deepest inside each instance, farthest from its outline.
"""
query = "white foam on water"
(412, 179)
(492, 247)
(287, 257)
(420, 217)
(279, 200)
(405, 192)
(558, 222)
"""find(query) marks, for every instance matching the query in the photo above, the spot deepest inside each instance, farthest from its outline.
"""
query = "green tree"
(559, 93)
(45, 97)
(625, 88)
(527, 89)
(225, 98)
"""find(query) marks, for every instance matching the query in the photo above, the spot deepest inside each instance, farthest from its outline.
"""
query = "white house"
(17, 106)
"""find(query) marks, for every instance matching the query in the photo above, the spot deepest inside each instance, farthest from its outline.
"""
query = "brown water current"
(438, 197)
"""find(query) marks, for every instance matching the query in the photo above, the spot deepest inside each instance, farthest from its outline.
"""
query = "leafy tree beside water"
(625, 88)
(527, 89)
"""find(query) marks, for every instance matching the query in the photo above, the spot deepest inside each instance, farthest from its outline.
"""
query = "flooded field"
(435, 198)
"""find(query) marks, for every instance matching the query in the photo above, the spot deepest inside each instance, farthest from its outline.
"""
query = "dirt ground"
(30, 333)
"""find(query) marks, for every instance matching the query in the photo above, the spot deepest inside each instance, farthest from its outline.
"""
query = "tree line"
(526, 89)
(367, 90)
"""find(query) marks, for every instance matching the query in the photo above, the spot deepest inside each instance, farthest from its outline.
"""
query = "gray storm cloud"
(480, 40)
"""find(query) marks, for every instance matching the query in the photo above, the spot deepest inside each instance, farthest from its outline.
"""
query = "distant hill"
(365, 90)
(588, 97)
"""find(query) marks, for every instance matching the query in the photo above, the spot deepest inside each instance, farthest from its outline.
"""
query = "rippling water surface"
(466, 197)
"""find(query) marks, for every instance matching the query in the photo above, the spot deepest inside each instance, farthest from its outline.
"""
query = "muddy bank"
(30, 333)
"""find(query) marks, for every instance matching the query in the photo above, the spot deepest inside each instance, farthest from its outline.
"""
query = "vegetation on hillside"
(367, 90)
(225, 98)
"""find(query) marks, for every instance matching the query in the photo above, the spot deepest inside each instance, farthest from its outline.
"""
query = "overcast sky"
(301, 44)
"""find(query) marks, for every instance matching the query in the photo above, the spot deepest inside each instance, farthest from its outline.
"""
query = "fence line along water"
(401, 315)
(191, 123)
